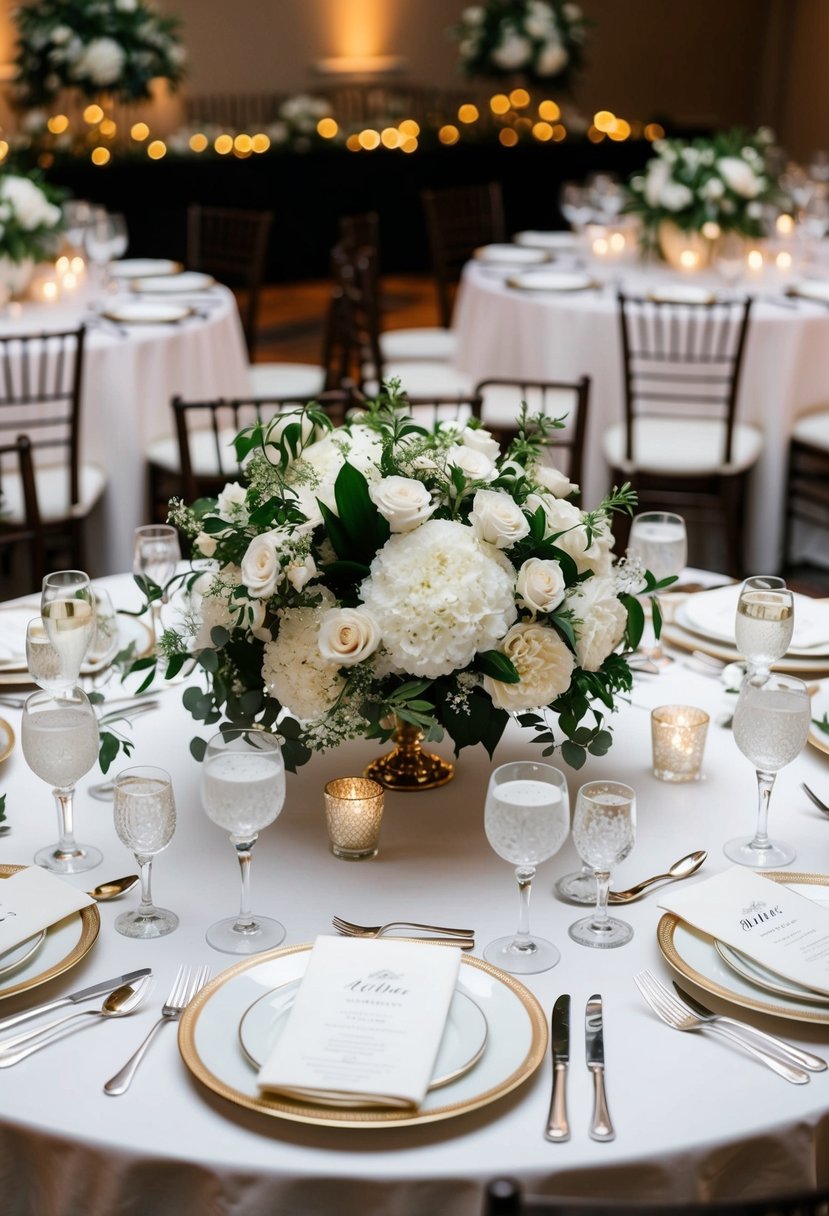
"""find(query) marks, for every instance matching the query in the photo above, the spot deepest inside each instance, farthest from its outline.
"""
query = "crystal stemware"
(105, 238)
(243, 790)
(771, 723)
(42, 660)
(660, 542)
(604, 830)
(156, 552)
(145, 820)
(59, 736)
(764, 622)
(526, 820)
(67, 607)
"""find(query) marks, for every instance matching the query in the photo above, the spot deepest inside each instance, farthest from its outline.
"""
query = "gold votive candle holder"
(353, 814)
(678, 733)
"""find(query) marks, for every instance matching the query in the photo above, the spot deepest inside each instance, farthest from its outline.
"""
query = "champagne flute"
(764, 623)
(771, 723)
(59, 736)
(604, 830)
(660, 542)
(243, 790)
(526, 819)
(156, 552)
(145, 820)
(67, 607)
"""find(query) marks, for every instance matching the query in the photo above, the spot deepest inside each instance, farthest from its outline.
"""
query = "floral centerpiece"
(29, 222)
(106, 46)
(542, 40)
(382, 572)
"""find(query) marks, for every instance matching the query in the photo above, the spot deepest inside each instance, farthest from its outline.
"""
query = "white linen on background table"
(694, 1117)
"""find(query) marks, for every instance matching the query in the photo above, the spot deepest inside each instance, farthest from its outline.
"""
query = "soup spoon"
(684, 868)
(121, 1001)
(113, 888)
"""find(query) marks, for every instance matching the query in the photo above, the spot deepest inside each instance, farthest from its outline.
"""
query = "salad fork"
(679, 1016)
(350, 929)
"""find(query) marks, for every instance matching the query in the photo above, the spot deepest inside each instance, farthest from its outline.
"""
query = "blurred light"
(604, 120)
(468, 113)
(57, 124)
(198, 142)
(409, 144)
(390, 137)
(620, 130)
(523, 124)
(70, 281)
(260, 142)
(689, 259)
(100, 156)
(62, 265)
(93, 114)
(519, 98)
(409, 127)
(549, 110)
(559, 132)
(784, 225)
(243, 145)
(4, 149)
(600, 246)
(139, 131)
(508, 137)
(157, 149)
(499, 104)
(595, 135)
(369, 139)
(637, 129)
(77, 265)
(710, 230)
(45, 160)
(327, 128)
(108, 128)
(783, 261)
(353, 143)
(654, 130)
(617, 241)
(449, 134)
(755, 259)
(223, 144)
(543, 132)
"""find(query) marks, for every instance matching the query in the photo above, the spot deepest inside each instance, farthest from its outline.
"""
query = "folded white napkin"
(366, 1024)
(33, 899)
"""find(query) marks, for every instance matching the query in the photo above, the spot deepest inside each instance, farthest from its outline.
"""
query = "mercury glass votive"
(678, 733)
(354, 813)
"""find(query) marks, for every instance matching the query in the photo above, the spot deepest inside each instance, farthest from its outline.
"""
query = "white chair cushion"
(164, 453)
(684, 446)
(502, 402)
(53, 493)
(424, 380)
(433, 343)
(305, 381)
(814, 429)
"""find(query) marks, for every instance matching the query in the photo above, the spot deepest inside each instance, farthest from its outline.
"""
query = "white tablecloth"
(130, 377)
(695, 1118)
(564, 335)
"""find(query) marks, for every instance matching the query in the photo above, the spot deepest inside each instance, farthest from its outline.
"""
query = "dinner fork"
(185, 986)
(465, 938)
(666, 1006)
(821, 806)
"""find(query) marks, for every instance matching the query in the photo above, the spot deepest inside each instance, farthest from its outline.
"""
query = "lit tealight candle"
(689, 259)
(783, 260)
(678, 734)
(754, 259)
(600, 247)
(354, 813)
(617, 242)
(50, 291)
(70, 281)
(784, 225)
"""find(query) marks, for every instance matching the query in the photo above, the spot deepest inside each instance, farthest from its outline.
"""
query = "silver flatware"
(558, 1128)
(821, 806)
(804, 1058)
(601, 1126)
(185, 986)
(75, 998)
(118, 1004)
(349, 929)
(666, 1006)
(127, 713)
(684, 868)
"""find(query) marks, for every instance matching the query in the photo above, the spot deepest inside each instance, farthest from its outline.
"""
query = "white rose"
(540, 584)
(102, 61)
(497, 519)
(480, 440)
(600, 621)
(404, 502)
(543, 662)
(555, 481)
(712, 189)
(476, 465)
(738, 176)
(300, 573)
(657, 177)
(551, 59)
(231, 502)
(675, 197)
(206, 544)
(565, 521)
(348, 635)
(513, 51)
(261, 567)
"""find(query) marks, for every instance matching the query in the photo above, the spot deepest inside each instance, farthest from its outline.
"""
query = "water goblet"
(156, 552)
(243, 790)
(42, 660)
(764, 623)
(771, 723)
(526, 820)
(104, 237)
(660, 542)
(59, 737)
(145, 820)
(67, 607)
(604, 830)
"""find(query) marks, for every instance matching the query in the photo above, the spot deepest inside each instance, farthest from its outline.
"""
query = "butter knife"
(601, 1127)
(558, 1129)
(75, 998)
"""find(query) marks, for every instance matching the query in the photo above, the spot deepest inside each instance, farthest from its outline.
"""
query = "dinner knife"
(558, 1129)
(75, 998)
(601, 1127)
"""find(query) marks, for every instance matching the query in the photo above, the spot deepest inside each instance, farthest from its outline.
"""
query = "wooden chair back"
(458, 220)
(545, 397)
(504, 1197)
(231, 244)
(16, 459)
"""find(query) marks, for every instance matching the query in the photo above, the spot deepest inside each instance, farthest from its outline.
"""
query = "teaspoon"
(684, 868)
(119, 1003)
(113, 888)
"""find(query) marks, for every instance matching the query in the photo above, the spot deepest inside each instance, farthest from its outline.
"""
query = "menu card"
(31, 900)
(765, 920)
(366, 1024)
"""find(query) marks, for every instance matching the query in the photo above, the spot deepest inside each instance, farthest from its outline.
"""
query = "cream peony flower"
(600, 620)
(403, 501)
(543, 662)
(497, 519)
(540, 585)
(261, 567)
(294, 671)
(675, 196)
(348, 635)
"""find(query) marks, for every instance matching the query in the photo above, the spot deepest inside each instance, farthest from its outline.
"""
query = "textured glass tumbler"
(678, 733)
(354, 813)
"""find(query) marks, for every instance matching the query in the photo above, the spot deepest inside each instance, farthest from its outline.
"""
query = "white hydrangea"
(513, 51)
(600, 620)
(101, 61)
(28, 203)
(294, 671)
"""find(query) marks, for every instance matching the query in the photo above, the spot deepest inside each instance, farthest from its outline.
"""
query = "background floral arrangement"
(721, 181)
(96, 46)
(382, 569)
(29, 217)
(540, 39)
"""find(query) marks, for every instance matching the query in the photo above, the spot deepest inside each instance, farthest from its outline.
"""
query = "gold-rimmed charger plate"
(817, 737)
(208, 1044)
(65, 945)
(6, 740)
(693, 954)
(14, 618)
(674, 634)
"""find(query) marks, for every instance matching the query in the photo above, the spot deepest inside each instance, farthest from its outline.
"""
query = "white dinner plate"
(187, 280)
(462, 1045)
(553, 280)
(553, 242)
(64, 945)
(515, 1047)
(811, 289)
(760, 977)
(682, 293)
(511, 255)
(818, 737)
(675, 633)
(6, 740)
(712, 615)
(13, 621)
(137, 268)
(146, 312)
(694, 955)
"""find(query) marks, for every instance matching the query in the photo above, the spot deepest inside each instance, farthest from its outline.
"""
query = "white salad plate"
(553, 280)
(511, 255)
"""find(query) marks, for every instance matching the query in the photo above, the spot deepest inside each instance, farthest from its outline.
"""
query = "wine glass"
(67, 607)
(42, 660)
(156, 552)
(59, 736)
(575, 205)
(730, 257)
(243, 790)
(659, 540)
(145, 819)
(771, 722)
(77, 214)
(526, 820)
(104, 237)
(764, 623)
(604, 830)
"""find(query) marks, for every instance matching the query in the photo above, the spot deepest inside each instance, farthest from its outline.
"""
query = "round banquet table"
(131, 374)
(563, 335)
(695, 1118)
